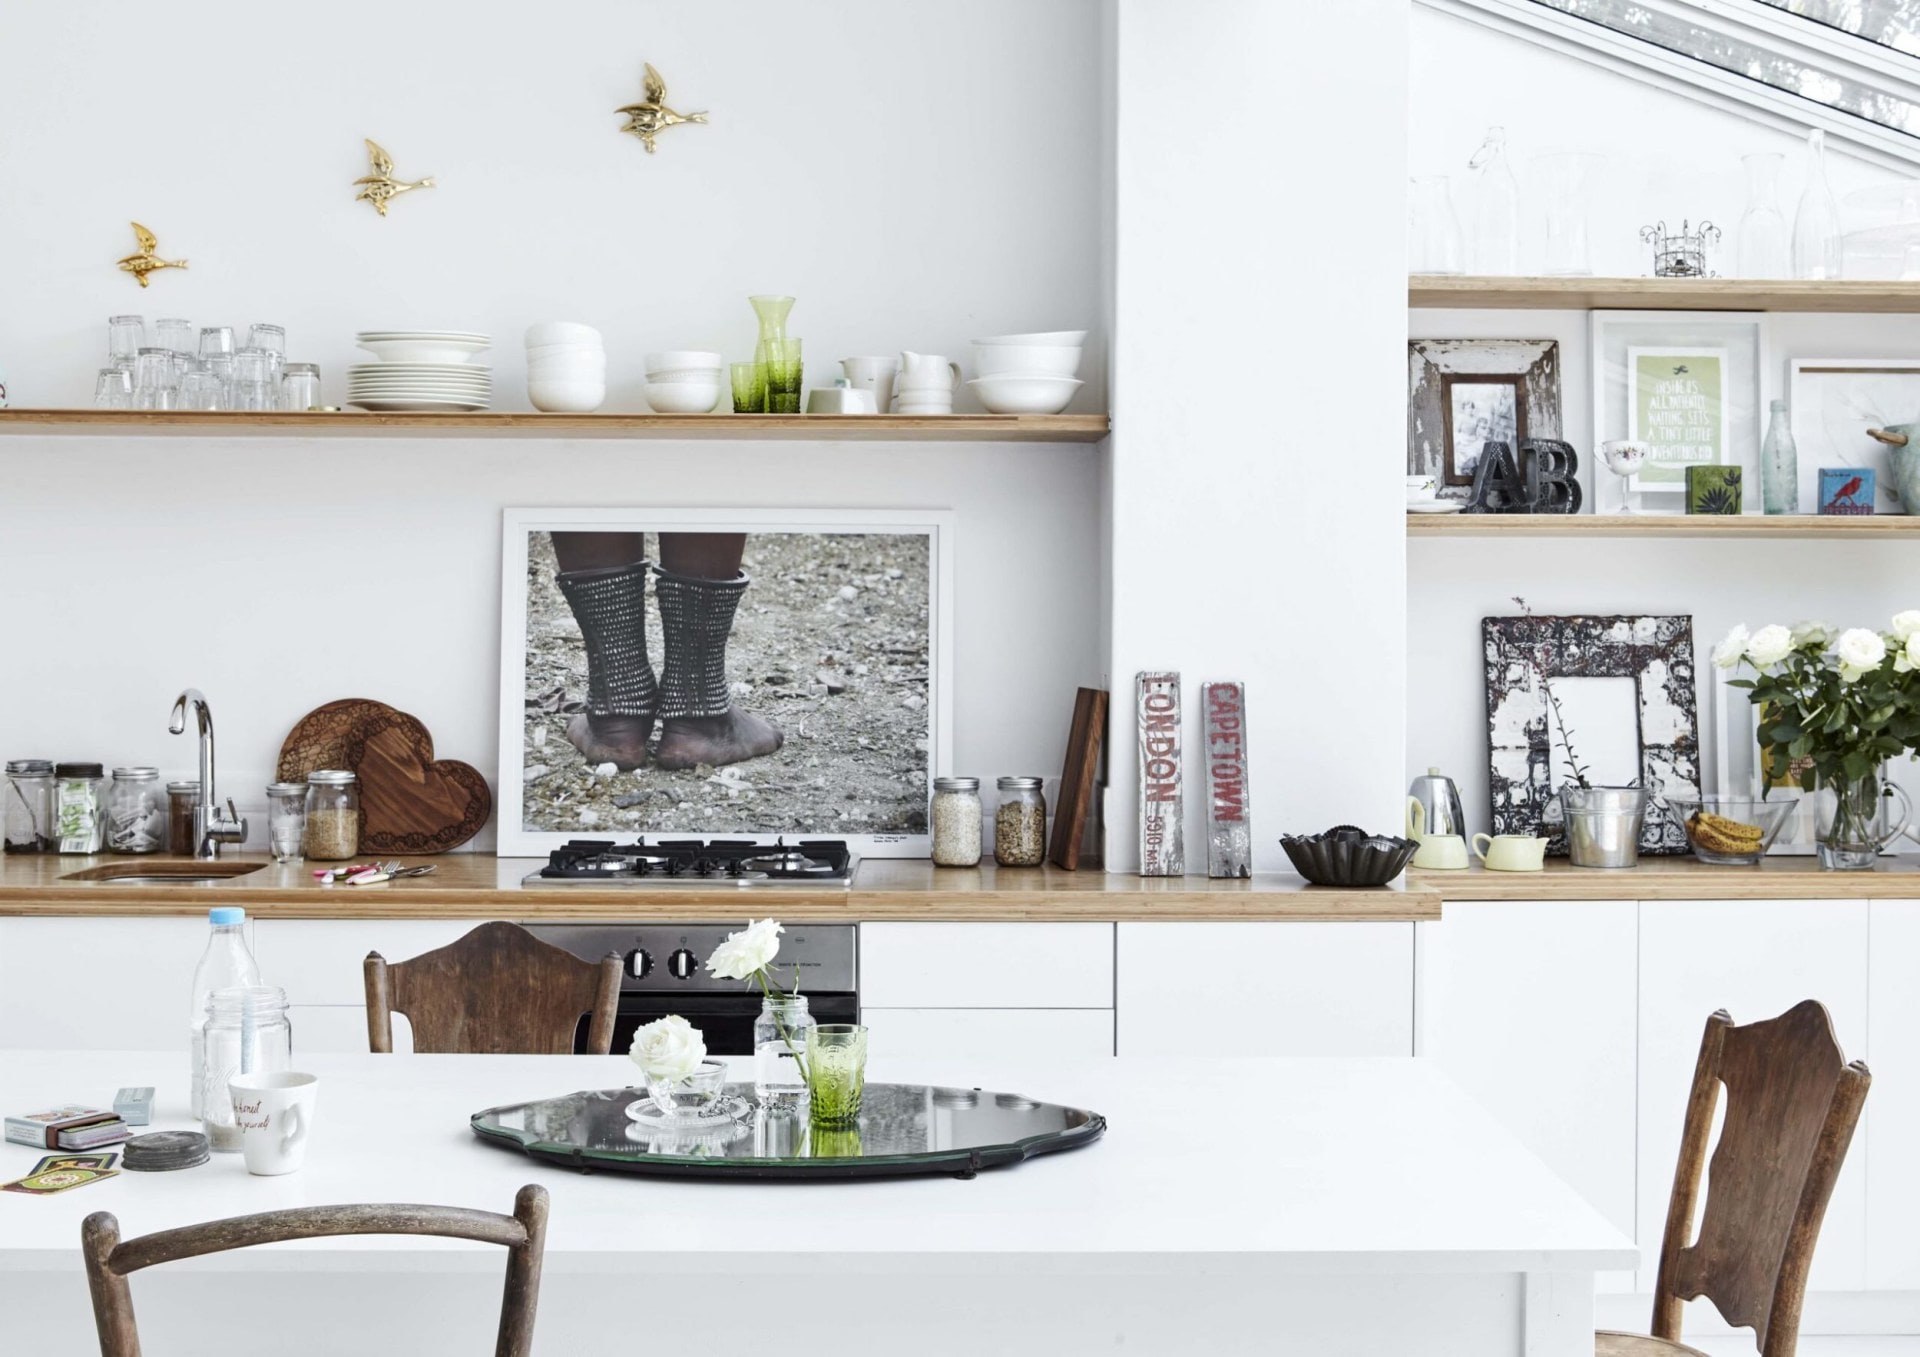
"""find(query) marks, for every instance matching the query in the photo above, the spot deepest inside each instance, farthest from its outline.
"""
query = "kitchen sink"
(171, 872)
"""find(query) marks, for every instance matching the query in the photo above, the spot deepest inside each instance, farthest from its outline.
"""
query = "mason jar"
(955, 819)
(183, 799)
(79, 812)
(247, 1033)
(779, 1047)
(29, 817)
(333, 815)
(136, 812)
(1020, 824)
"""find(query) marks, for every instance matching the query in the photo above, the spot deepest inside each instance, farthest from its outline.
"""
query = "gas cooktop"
(672, 863)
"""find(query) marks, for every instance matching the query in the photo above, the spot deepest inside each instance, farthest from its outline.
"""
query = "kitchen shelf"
(1660, 294)
(1867, 527)
(514, 424)
(1678, 878)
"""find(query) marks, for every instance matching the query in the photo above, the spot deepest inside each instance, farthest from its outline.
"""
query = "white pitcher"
(928, 373)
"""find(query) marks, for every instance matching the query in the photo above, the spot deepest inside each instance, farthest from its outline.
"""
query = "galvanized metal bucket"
(1603, 825)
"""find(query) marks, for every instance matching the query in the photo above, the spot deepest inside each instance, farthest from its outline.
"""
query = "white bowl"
(673, 360)
(1026, 360)
(565, 351)
(683, 398)
(900, 407)
(1024, 395)
(568, 367)
(567, 397)
(561, 332)
(424, 350)
(1047, 338)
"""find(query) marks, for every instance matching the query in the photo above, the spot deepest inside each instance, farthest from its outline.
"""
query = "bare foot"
(714, 740)
(619, 740)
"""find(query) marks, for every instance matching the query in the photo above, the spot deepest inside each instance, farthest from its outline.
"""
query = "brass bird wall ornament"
(380, 187)
(651, 116)
(147, 260)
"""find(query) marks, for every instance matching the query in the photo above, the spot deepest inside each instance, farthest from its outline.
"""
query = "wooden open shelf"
(1660, 294)
(1868, 527)
(511, 424)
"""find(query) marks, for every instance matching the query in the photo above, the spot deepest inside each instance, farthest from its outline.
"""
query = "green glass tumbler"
(783, 377)
(749, 389)
(836, 1075)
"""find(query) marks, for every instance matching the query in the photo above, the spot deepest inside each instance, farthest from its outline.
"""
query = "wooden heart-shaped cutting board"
(410, 802)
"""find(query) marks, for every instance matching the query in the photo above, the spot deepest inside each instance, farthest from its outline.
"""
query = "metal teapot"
(1433, 806)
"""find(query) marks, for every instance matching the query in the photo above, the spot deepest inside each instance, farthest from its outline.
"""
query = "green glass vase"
(772, 313)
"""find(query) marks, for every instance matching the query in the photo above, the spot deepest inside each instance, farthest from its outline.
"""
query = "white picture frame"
(1831, 404)
(1750, 381)
(518, 725)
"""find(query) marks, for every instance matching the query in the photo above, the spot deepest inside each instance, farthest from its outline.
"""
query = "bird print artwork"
(651, 116)
(1847, 490)
(148, 260)
(380, 187)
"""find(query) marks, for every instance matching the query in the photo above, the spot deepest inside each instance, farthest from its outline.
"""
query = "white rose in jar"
(1860, 652)
(668, 1049)
(745, 952)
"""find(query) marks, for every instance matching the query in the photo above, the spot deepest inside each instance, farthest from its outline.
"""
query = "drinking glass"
(216, 340)
(273, 339)
(113, 389)
(202, 389)
(126, 335)
(749, 389)
(783, 377)
(300, 386)
(156, 384)
(836, 1074)
(174, 333)
(252, 387)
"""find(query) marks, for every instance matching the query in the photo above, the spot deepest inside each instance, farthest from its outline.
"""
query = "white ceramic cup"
(872, 374)
(1420, 489)
(274, 1112)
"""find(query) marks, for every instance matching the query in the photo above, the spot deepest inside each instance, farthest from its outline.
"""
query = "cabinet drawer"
(972, 1033)
(100, 984)
(321, 961)
(1037, 965)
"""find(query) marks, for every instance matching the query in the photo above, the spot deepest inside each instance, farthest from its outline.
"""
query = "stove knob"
(681, 964)
(639, 963)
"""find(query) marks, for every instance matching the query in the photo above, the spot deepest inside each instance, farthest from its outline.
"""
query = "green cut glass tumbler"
(783, 377)
(749, 389)
(836, 1075)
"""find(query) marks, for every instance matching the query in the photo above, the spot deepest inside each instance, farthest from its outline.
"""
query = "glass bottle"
(333, 815)
(1496, 208)
(1780, 464)
(78, 814)
(955, 817)
(183, 799)
(1816, 223)
(772, 312)
(29, 817)
(779, 1047)
(286, 820)
(225, 963)
(136, 812)
(1434, 243)
(1565, 182)
(246, 1033)
(1762, 247)
(1020, 823)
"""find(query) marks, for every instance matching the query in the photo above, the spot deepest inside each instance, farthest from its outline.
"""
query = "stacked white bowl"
(1028, 374)
(566, 367)
(685, 381)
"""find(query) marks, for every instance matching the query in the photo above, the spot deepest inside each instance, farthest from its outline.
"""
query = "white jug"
(927, 372)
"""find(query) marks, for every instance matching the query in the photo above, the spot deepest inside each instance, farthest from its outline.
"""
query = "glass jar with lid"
(955, 820)
(183, 799)
(333, 815)
(29, 816)
(136, 812)
(79, 810)
(286, 820)
(246, 1033)
(1020, 824)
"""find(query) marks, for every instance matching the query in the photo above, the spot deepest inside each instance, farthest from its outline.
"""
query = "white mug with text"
(274, 1111)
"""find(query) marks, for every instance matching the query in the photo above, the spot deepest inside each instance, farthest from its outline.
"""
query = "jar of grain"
(136, 815)
(1020, 825)
(183, 799)
(333, 815)
(955, 817)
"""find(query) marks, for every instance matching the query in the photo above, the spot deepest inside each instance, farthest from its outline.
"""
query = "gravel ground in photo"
(830, 644)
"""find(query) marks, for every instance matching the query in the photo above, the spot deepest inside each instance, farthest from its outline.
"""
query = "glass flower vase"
(1858, 824)
(1762, 245)
(780, 1047)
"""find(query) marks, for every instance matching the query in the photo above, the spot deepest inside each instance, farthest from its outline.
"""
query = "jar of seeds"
(79, 812)
(1020, 825)
(955, 816)
(136, 812)
(29, 817)
(333, 815)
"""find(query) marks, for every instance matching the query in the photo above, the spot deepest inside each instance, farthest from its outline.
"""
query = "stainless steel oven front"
(663, 970)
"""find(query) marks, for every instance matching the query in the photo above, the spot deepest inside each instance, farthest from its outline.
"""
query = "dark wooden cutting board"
(410, 802)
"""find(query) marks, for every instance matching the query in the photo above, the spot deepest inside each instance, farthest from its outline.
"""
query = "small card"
(63, 1172)
(74, 1161)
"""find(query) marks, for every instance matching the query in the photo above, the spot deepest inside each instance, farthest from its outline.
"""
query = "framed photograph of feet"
(724, 673)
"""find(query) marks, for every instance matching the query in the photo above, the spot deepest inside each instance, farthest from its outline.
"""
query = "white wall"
(914, 177)
(1673, 157)
(1257, 358)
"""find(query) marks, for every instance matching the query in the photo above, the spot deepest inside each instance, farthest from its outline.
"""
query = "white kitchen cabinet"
(997, 965)
(1531, 1007)
(338, 1029)
(322, 961)
(97, 983)
(1891, 1128)
(983, 1035)
(1265, 989)
(1755, 959)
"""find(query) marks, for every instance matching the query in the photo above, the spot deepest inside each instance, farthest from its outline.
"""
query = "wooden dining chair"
(497, 991)
(1792, 1103)
(109, 1259)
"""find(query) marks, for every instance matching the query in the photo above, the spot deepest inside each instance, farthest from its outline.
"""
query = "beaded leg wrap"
(697, 617)
(611, 607)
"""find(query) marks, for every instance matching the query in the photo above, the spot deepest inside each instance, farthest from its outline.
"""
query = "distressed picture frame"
(1446, 376)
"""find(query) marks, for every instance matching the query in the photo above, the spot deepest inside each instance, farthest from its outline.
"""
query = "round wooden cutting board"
(410, 802)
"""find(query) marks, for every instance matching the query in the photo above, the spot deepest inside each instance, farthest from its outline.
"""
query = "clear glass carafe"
(1762, 244)
(1816, 222)
(246, 1033)
(29, 816)
(780, 1047)
(1563, 182)
(1861, 821)
(772, 313)
(1496, 208)
(1434, 242)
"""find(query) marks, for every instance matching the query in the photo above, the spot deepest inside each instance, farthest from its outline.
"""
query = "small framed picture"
(1677, 406)
(1463, 394)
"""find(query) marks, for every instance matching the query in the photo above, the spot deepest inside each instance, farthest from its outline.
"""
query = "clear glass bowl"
(693, 1096)
(1732, 831)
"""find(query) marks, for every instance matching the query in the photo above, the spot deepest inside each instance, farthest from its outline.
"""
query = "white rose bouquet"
(668, 1049)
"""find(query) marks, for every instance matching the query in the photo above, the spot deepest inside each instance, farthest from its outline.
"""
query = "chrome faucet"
(211, 826)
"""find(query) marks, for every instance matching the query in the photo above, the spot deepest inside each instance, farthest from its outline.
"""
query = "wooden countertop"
(1778, 878)
(475, 885)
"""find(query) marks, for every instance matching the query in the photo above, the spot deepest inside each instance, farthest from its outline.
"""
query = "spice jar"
(333, 815)
(29, 817)
(955, 816)
(286, 820)
(136, 815)
(78, 816)
(183, 799)
(1020, 825)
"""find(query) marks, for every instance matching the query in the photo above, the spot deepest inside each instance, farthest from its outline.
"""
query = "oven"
(663, 970)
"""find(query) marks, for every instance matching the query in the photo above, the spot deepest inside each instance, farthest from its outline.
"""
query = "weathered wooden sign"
(1229, 833)
(1162, 834)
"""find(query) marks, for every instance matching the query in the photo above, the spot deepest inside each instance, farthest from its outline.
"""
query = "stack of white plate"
(421, 370)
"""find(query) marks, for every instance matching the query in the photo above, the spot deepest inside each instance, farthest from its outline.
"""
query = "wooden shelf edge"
(1676, 878)
(1868, 526)
(1431, 291)
(526, 424)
